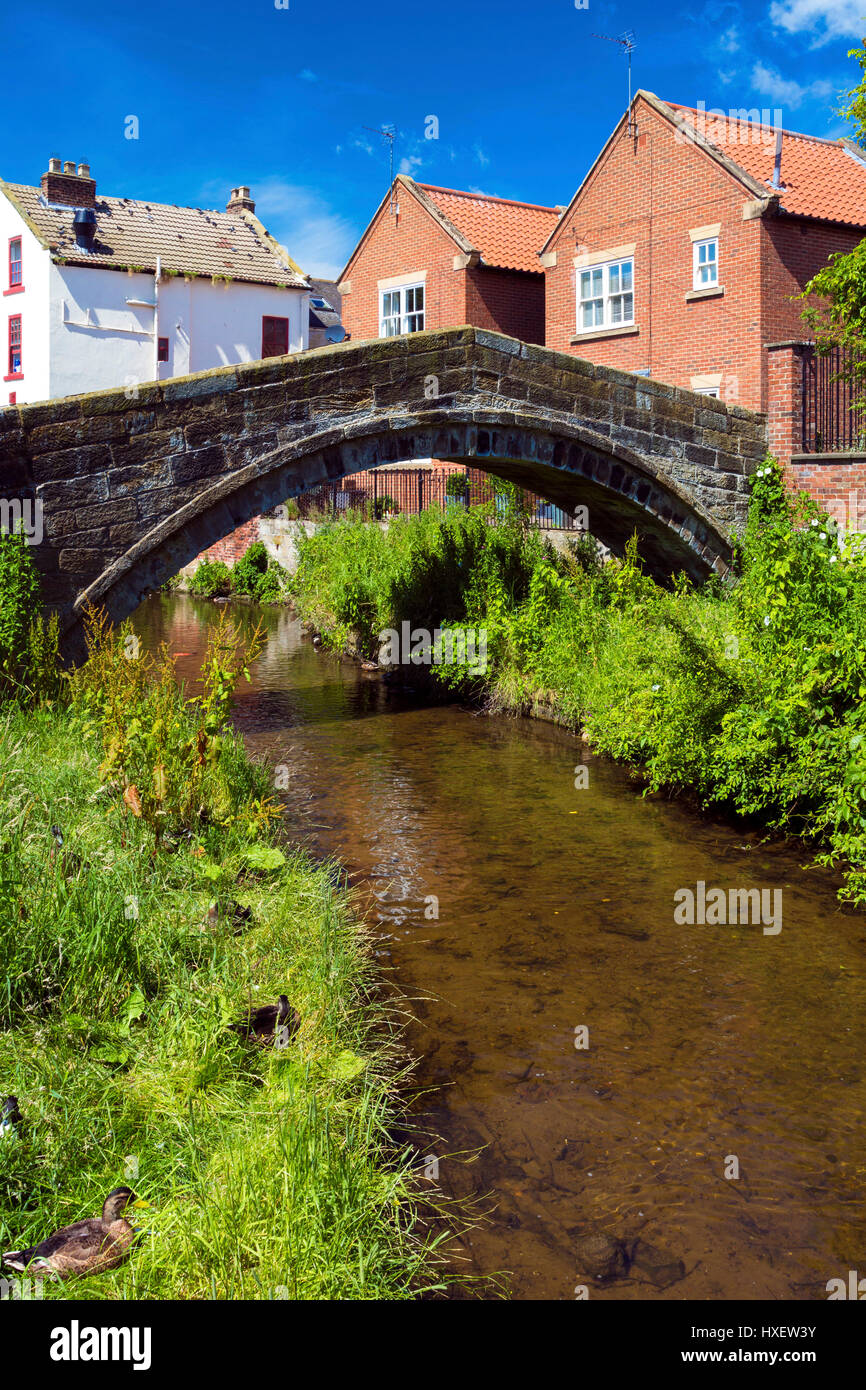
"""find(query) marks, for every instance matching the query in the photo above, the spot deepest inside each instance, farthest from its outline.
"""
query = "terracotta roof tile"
(819, 178)
(192, 241)
(508, 234)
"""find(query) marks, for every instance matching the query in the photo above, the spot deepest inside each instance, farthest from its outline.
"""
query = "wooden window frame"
(15, 286)
(13, 347)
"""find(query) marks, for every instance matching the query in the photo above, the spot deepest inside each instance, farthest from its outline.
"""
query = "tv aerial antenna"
(388, 133)
(628, 44)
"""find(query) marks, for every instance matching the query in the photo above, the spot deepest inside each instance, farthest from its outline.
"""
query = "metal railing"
(379, 493)
(833, 401)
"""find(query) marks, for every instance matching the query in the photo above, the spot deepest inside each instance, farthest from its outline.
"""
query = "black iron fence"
(380, 493)
(833, 392)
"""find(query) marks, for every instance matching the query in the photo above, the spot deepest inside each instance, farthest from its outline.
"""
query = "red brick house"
(681, 252)
(436, 257)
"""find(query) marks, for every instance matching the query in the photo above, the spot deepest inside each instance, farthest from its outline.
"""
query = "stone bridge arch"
(133, 489)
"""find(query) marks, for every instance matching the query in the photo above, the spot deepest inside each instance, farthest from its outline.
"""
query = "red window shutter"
(275, 336)
(162, 350)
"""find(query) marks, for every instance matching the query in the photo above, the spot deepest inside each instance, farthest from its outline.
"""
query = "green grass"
(268, 1172)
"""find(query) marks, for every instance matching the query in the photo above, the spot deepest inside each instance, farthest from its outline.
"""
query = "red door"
(275, 336)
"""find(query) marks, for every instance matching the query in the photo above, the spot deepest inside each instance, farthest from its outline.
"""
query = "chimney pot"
(67, 185)
(240, 198)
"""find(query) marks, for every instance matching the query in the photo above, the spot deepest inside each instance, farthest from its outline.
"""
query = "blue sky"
(279, 98)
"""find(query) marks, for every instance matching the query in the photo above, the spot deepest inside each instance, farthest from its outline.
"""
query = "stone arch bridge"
(132, 489)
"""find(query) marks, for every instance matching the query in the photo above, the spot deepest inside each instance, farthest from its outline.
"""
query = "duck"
(10, 1116)
(236, 914)
(271, 1021)
(92, 1246)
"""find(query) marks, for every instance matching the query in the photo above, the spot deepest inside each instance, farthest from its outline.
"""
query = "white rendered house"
(100, 292)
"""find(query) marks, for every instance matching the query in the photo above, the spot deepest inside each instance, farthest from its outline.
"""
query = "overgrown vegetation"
(255, 576)
(28, 643)
(750, 696)
(144, 906)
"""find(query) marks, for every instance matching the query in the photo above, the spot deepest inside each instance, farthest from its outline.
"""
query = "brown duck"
(88, 1247)
(230, 913)
(272, 1022)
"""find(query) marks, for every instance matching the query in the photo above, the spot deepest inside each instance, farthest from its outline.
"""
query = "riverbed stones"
(649, 1262)
(600, 1257)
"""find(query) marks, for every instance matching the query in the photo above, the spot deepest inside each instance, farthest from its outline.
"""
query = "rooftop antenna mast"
(390, 134)
(628, 44)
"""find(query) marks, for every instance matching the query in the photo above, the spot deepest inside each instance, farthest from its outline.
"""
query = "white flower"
(767, 621)
(823, 535)
(814, 522)
(833, 559)
(656, 687)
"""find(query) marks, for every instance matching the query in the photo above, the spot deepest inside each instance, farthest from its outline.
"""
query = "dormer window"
(15, 265)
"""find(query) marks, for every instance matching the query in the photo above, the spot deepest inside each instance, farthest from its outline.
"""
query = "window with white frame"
(705, 260)
(605, 295)
(714, 391)
(401, 310)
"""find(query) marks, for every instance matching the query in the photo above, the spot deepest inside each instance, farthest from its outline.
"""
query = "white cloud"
(726, 78)
(307, 76)
(730, 40)
(825, 19)
(408, 163)
(784, 90)
(481, 156)
(315, 236)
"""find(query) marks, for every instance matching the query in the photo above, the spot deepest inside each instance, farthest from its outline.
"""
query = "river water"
(514, 911)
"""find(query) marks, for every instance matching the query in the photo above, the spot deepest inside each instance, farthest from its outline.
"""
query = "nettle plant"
(29, 643)
(171, 759)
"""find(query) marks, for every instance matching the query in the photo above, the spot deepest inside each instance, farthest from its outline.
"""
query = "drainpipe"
(156, 319)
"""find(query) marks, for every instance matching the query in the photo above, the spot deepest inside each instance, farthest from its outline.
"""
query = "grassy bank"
(748, 696)
(268, 1170)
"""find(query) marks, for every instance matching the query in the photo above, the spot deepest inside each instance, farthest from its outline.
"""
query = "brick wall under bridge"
(133, 489)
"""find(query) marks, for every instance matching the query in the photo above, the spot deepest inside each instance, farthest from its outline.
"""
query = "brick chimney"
(62, 183)
(240, 199)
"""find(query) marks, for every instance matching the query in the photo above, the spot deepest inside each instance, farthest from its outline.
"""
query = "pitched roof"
(508, 234)
(192, 241)
(326, 304)
(824, 179)
(820, 178)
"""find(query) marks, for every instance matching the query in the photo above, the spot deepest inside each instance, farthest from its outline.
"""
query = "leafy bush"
(212, 579)
(170, 760)
(257, 575)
